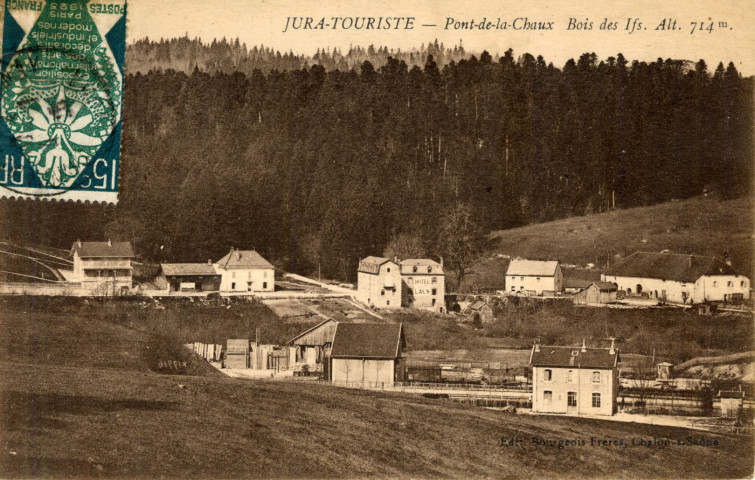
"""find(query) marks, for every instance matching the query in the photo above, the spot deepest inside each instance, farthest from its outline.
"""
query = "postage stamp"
(61, 88)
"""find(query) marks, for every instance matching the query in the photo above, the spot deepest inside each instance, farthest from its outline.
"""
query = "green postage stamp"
(61, 87)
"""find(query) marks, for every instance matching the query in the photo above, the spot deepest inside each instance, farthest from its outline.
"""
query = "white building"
(574, 380)
(245, 271)
(678, 278)
(379, 282)
(368, 354)
(423, 284)
(530, 277)
(104, 268)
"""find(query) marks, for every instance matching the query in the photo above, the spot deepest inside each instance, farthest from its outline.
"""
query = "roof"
(669, 266)
(605, 286)
(477, 305)
(243, 259)
(422, 264)
(574, 357)
(370, 340)
(372, 264)
(532, 268)
(103, 249)
(577, 283)
(186, 269)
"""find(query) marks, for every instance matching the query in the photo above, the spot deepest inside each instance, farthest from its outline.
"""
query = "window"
(513, 288)
(387, 302)
(388, 269)
(714, 283)
(233, 274)
(382, 292)
(595, 377)
(435, 291)
(521, 279)
(435, 280)
(264, 274)
(249, 274)
(570, 376)
(728, 284)
(414, 269)
(548, 375)
(538, 279)
(595, 400)
(409, 280)
(249, 286)
(233, 285)
(571, 399)
(547, 397)
(742, 283)
(429, 269)
(433, 302)
(264, 284)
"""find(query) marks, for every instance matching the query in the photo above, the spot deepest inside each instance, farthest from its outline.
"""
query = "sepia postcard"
(359, 239)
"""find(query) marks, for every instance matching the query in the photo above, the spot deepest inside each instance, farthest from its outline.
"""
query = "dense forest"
(327, 163)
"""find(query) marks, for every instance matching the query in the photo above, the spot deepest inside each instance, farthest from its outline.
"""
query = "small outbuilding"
(597, 293)
(368, 354)
(480, 310)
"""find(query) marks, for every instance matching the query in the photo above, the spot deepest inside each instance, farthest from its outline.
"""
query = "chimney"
(726, 258)
(690, 261)
(584, 346)
(441, 261)
(109, 243)
(612, 351)
(209, 261)
(238, 254)
(79, 242)
(537, 344)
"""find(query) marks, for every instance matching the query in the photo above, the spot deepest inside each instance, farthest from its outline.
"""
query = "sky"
(257, 22)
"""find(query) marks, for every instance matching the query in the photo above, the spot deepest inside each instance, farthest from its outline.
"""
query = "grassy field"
(79, 400)
(703, 226)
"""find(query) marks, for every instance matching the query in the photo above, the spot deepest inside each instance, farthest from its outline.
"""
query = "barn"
(368, 354)
(192, 277)
(313, 348)
(598, 293)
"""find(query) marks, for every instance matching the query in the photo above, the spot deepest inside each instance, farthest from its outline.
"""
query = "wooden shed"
(368, 354)
(313, 348)
(237, 353)
(597, 293)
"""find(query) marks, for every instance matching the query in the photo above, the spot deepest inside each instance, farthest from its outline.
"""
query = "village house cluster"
(668, 277)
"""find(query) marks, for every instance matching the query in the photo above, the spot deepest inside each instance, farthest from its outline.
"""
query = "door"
(571, 402)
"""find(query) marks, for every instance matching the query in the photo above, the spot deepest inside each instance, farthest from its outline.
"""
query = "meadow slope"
(79, 399)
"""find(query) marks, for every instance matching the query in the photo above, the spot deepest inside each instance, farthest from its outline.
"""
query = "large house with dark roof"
(368, 354)
(423, 284)
(245, 271)
(104, 268)
(379, 282)
(678, 278)
(532, 277)
(574, 380)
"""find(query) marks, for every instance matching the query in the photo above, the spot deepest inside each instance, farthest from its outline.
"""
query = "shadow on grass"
(33, 410)
(23, 466)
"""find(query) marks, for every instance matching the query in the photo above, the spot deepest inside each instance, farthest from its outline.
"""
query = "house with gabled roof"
(533, 277)
(368, 354)
(423, 284)
(104, 268)
(245, 271)
(678, 278)
(574, 380)
(379, 282)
